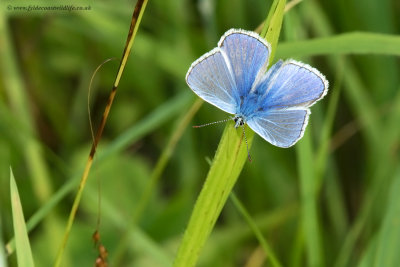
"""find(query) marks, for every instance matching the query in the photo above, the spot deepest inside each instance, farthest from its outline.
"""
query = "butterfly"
(274, 103)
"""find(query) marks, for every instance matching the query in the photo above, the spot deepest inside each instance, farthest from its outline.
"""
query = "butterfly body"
(274, 103)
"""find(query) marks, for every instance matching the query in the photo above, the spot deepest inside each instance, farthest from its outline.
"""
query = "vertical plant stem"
(135, 22)
(228, 162)
(309, 215)
(224, 172)
(273, 25)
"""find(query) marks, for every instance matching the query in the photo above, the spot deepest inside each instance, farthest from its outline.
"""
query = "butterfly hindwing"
(281, 128)
(289, 88)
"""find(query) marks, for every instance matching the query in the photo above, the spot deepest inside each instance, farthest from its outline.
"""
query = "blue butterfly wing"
(248, 55)
(281, 128)
(292, 84)
(289, 89)
(211, 79)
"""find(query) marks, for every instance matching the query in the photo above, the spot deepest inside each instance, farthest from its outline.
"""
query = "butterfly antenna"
(211, 123)
(247, 145)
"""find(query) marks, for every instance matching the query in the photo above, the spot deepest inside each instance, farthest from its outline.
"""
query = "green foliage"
(332, 200)
(382, 250)
(342, 44)
(2, 252)
(24, 253)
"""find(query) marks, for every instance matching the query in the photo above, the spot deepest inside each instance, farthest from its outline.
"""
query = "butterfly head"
(239, 121)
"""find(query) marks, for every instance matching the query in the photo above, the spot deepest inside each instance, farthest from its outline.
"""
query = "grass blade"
(388, 238)
(383, 249)
(309, 219)
(24, 253)
(273, 25)
(341, 44)
(227, 165)
(2, 254)
(257, 232)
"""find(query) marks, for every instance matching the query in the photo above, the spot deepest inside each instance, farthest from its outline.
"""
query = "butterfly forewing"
(294, 84)
(247, 53)
(210, 78)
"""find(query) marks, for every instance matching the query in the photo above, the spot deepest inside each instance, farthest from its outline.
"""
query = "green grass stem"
(135, 22)
(226, 167)
(257, 232)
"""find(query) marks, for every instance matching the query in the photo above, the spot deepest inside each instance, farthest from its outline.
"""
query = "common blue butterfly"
(274, 103)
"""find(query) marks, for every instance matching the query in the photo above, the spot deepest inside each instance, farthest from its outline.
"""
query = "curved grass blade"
(383, 249)
(342, 44)
(257, 232)
(24, 253)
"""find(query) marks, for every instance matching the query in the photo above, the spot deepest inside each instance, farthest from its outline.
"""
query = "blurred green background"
(331, 200)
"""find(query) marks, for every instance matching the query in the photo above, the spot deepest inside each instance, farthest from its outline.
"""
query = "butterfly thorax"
(239, 121)
(249, 106)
